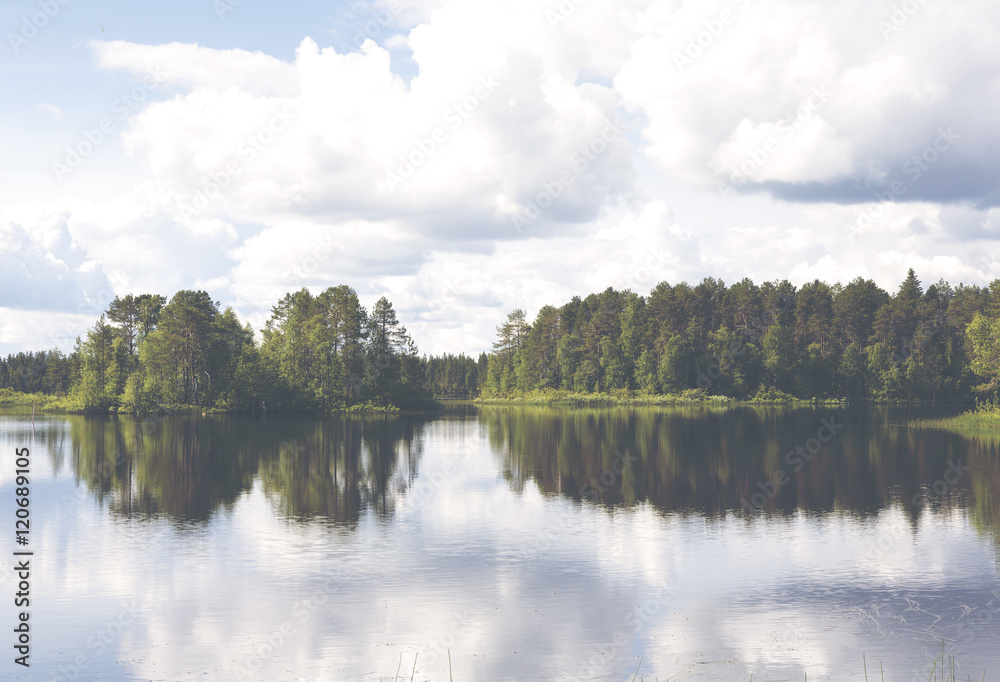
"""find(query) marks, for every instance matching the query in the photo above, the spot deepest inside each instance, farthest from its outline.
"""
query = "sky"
(465, 158)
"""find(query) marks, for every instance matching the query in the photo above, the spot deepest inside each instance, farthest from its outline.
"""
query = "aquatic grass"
(946, 670)
(552, 396)
(943, 674)
(637, 668)
(944, 677)
(984, 417)
(864, 662)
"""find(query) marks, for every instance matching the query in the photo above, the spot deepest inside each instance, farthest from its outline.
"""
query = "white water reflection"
(253, 594)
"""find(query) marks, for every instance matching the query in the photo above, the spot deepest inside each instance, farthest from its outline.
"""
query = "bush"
(770, 394)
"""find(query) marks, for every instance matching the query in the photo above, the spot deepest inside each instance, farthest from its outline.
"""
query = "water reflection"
(745, 461)
(493, 544)
(749, 460)
(187, 468)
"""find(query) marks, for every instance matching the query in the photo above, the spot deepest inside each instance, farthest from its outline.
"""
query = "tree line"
(317, 352)
(326, 351)
(745, 341)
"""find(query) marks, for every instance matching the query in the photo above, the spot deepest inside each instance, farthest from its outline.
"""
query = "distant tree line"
(854, 341)
(41, 372)
(326, 351)
(317, 352)
(453, 376)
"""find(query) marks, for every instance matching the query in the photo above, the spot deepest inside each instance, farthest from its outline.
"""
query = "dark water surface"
(530, 543)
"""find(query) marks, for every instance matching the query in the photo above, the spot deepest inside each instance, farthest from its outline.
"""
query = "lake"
(509, 543)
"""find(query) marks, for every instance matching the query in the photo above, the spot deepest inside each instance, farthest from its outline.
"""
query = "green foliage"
(182, 346)
(679, 360)
(568, 355)
(984, 336)
(558, 396)
(48, 372)
(452, 376)
(586, 377)
(511, 334)
(326, 351)
(769, 394)
(823, 341)
(318, 353)
(136, 398)
(850, 376)
(104, 370)
(506, 381)
(645, 373)
(778, 355)
(613, 366)
(985, 418)
(11, 398)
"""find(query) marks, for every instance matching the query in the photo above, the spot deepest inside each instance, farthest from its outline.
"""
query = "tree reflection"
(187, 468)
(748, 459)
(690, 459)
(341, 466)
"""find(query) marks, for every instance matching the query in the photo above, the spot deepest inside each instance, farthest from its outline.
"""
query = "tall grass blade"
(637, 668)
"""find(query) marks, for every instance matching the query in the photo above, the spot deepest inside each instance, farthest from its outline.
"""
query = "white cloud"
(193, 67)
(569, 145)
(35, 330)
(713, 90)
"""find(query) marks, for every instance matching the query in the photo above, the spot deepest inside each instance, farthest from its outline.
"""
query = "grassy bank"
(69, 405)
(41, 401)
(985, 417)
(618, 398)
(558, 397)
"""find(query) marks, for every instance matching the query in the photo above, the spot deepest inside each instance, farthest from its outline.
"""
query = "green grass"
(72, 404)
(550, 396)
(985, 417)
(370, 408)
(49, 403)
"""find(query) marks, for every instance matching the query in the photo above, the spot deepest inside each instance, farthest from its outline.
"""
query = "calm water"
(532, 543)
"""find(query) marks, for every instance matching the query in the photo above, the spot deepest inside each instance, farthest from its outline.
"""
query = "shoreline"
(52, 404)
(979, 419)
(691, 397)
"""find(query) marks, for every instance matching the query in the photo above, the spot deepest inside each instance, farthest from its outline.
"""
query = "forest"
(851, 342)
(325, 351)
(316, 353)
